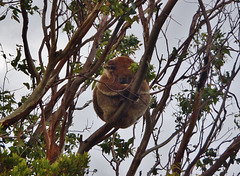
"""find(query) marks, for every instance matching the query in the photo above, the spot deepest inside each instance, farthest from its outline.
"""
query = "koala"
(113, 89)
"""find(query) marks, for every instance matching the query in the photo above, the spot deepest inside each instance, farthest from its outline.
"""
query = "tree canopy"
(48, 125)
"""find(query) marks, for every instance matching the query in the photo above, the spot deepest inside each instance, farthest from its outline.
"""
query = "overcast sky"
(10, 35)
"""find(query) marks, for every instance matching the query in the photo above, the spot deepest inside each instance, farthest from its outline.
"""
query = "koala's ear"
(110, 65)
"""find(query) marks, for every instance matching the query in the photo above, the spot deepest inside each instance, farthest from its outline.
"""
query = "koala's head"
(118, 69)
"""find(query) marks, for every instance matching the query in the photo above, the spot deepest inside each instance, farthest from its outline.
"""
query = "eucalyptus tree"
(192, 86)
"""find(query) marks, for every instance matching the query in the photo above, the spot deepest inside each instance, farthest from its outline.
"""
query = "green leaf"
(14, 62)
(27, 85)
(2, 17)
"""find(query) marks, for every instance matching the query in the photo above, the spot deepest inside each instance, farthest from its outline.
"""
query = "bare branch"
(31, 66)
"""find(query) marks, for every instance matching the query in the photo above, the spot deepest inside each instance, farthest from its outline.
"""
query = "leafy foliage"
(15, 8)
(150, 73)
(207, 160)
(18, 64)
(119, 146)
(120, 8)
(73, 164)
(7, 103)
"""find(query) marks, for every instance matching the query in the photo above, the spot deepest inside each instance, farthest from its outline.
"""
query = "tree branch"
(231, 150)
(48, 78)
(140, 75)
(197, 101)
(31, 67)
